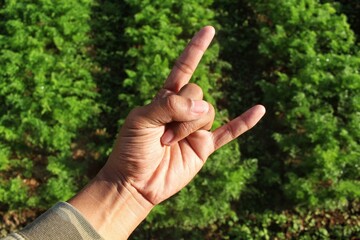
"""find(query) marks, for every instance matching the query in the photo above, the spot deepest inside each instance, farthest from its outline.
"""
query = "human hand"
(163, 145)
(159, 149)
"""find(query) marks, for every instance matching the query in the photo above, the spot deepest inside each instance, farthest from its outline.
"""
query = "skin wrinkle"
(221, 139)
(132, 185)
(99, 202)
(162, 94)
(230, 131)
(185, 164)
(184, 129)
(196, 152)
(182, 153)
(133, 160)
(157, 172)
(184, 67)
(177, 171)
(171, 105)
(191, 56)
(245, 123)
(198, 46)
(213, 141)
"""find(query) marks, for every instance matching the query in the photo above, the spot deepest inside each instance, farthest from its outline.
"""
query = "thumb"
(173, 108)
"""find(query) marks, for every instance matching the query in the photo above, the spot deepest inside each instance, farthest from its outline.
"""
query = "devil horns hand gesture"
(163, 145)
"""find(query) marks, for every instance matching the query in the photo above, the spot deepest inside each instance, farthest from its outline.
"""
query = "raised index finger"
(189, 59)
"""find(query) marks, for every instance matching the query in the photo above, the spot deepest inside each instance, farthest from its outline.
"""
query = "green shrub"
(62, 64)
(294, 224)
(300, 60)
(47, 95)
(109, 45)
(351, 10)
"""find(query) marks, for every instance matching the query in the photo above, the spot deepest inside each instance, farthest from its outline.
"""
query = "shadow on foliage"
(107, 50)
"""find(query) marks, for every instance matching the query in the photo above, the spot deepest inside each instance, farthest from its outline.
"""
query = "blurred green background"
(71, 70)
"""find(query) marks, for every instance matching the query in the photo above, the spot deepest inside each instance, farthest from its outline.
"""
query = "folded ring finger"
(176, 131)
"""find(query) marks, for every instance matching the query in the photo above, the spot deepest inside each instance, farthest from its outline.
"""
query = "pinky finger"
(237, 126)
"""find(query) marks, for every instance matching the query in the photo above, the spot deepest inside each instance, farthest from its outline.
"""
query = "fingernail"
(167, 137)
(199, 106)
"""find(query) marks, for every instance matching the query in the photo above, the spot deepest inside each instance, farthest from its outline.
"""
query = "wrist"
(113, 207)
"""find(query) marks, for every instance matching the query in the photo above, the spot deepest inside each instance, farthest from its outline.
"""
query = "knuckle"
(184, 67)
(162, 94)
(198, 46)
(134, 116)
(208, 126)
(185, 129)
(210, 117)
(196, 89)
(193, 85)
(231, 131)
(135, 112)
(192, 90)
(171, 103)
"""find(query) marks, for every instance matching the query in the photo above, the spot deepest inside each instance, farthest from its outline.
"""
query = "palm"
(156, 170)
(159, 164)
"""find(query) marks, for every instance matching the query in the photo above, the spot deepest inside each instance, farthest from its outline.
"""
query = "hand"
(163, 145)
(160, 148)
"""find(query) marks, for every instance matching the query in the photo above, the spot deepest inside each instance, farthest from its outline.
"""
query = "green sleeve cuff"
(60, 222)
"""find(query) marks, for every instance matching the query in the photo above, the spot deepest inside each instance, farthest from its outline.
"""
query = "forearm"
(114, 209)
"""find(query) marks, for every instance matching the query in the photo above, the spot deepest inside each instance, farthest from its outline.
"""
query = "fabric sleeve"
(60, 222)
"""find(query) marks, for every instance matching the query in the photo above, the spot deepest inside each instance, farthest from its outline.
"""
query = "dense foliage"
(303, 65)
(47, 95)
(72, 70)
